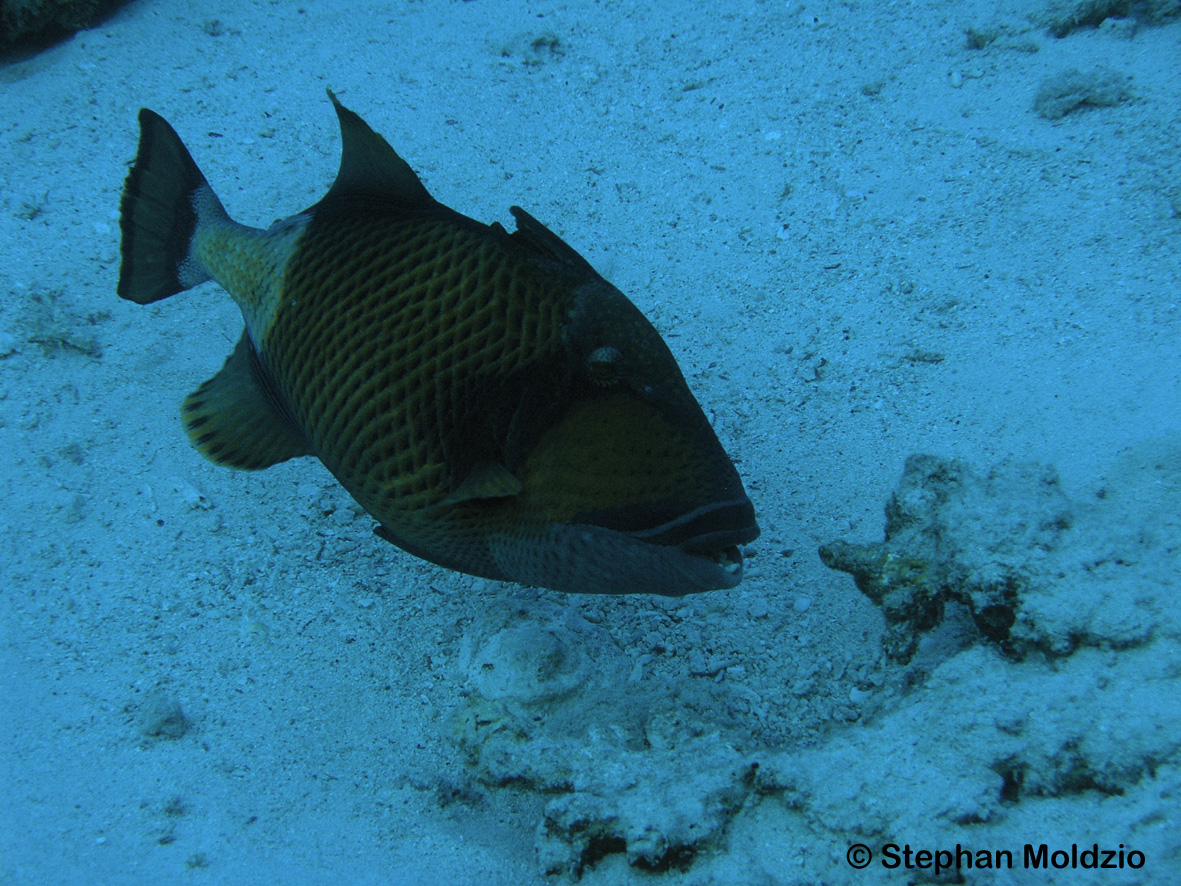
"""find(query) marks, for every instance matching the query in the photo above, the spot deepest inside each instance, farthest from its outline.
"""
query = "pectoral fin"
(485, 480)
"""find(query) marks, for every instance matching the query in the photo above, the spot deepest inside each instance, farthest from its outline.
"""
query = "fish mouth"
(702, 545)
(715, 570)
(712, 529)
(698, 551)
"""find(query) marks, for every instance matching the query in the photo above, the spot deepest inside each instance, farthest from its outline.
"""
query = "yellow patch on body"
(250, 265)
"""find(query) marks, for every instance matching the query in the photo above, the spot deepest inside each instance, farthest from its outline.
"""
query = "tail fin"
(165, 200)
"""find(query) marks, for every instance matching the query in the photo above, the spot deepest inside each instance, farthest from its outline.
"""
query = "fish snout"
(704, 542)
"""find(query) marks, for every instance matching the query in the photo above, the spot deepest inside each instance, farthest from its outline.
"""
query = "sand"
(867, 232)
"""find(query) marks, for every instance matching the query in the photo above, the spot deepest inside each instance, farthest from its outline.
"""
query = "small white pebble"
(254, 630)
(956, 79)
(801, 604)
(7, 344)
(857, 696)
(190, 496)
(637, 673)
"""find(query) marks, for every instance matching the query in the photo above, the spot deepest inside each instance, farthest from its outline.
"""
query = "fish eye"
(604, 366)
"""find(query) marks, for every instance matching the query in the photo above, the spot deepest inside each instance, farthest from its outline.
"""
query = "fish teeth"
(730, 561)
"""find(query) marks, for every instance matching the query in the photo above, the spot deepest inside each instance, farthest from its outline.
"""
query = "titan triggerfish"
(492, 402)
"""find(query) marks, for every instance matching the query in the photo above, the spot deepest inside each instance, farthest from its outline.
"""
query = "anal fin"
(234, 421)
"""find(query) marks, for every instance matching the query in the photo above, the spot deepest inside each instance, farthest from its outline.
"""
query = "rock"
(161, 717)
(1074, 89)
(644, 769)
(1063, 17)
(24, 21)
(1004, 545)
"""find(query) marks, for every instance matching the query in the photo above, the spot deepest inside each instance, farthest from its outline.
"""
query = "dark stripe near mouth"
(706, 529)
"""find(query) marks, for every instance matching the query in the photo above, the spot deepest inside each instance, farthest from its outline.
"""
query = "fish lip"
(709, 529)
(589, 559)
(722, 568)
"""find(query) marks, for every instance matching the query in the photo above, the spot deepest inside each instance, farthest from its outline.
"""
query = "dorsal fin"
(369, 167)
(545, 242)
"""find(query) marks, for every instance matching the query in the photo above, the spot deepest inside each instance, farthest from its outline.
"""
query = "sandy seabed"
(867, 231)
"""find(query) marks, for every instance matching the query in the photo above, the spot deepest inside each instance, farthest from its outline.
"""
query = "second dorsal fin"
(545, 242)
